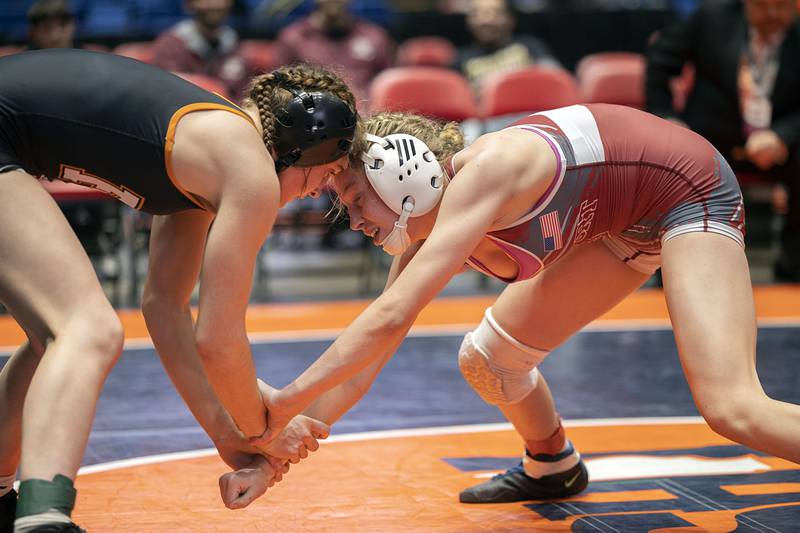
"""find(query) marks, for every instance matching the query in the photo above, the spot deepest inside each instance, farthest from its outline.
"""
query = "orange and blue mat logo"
(715, 488)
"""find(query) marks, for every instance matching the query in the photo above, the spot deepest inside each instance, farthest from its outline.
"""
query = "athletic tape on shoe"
(498, 367)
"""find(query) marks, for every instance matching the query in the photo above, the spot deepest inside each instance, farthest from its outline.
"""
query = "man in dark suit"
(746, 93)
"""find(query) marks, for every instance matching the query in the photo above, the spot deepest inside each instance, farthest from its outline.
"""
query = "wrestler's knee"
(96, 336)
(498, 367)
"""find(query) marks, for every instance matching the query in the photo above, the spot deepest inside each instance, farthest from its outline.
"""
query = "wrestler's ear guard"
(407, 177)
(401, 167)
(313, 129)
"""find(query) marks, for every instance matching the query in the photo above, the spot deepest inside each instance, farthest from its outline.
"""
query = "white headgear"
(408, 178)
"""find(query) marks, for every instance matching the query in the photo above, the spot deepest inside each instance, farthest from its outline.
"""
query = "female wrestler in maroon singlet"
(575, 208)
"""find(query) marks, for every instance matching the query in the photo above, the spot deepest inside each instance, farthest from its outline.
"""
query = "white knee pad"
(497, 366)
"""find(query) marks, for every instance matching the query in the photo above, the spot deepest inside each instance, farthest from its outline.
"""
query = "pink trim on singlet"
(554, 183)
(479, 266)
(528, 264)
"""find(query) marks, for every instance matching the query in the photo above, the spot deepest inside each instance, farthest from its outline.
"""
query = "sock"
(549, 456)
(28, 523)
(7, 483)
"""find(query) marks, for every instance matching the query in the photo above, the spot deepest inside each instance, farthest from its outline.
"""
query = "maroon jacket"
(358, 55)
(182, 48)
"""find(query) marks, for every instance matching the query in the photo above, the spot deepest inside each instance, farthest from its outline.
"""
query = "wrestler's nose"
(356, 222)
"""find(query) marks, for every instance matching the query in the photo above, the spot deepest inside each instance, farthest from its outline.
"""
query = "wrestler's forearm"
(172, 331)
(333, 404)
(231, 371)
(360, 346)
(336, 402)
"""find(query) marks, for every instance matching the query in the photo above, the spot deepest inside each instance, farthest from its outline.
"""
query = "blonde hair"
(444, 139)
(269, 92)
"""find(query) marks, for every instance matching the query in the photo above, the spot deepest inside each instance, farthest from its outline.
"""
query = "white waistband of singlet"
(580, 128)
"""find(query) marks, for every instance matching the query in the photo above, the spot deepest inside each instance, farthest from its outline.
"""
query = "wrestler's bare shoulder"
(514, 148)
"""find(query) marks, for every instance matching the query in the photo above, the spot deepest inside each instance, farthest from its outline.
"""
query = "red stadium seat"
(10, 49)
(260, 55)
(428, 51)
(612, 78)
(431, 91)
(143, 51)
(588, 61)
(529, 89)
(205, 82)
(95, 47)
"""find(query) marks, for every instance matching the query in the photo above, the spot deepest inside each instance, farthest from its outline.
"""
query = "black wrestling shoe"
(58, 528)
(515, 486)
(8, 510)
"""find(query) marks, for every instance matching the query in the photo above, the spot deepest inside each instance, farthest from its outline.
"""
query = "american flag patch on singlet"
(551, 231)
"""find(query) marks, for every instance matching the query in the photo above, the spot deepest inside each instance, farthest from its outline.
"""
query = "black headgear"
(312, 129)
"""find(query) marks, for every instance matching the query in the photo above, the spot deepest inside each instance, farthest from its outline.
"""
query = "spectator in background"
(51, 24)
(495, 47)
(746, 94)
(204, 45)
(332, 36)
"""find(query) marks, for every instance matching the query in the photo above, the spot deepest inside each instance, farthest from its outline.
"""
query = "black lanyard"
(759, 72)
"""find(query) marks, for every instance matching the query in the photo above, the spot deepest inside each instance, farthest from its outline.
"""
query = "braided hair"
(269, 92)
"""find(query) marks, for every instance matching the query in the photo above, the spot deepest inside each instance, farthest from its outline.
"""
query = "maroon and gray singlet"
(625, 177)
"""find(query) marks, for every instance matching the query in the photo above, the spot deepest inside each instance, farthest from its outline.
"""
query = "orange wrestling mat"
(406, 480)
(659, 475)
(775, 305)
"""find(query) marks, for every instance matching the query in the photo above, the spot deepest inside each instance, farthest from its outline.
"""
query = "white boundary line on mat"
(397, 433)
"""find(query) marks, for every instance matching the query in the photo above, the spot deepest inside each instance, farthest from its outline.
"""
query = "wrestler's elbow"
(392, 317)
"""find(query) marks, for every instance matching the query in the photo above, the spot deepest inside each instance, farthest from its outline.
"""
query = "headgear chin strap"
(407, 177)
(398, 240)
(312, 129)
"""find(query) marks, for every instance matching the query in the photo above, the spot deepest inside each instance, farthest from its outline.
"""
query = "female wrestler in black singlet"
(162, 145)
